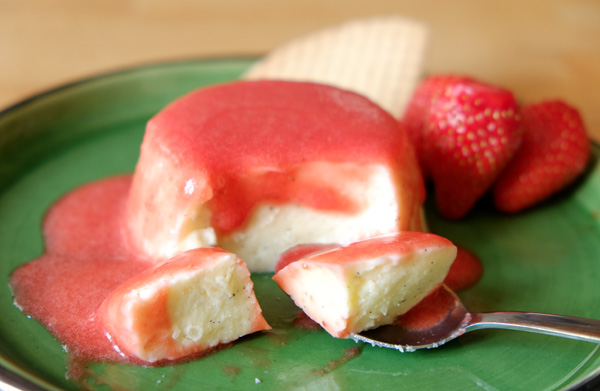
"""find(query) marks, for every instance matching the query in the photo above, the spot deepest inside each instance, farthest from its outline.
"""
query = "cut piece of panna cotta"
(182, 308)
(256, 167)
(368, 283)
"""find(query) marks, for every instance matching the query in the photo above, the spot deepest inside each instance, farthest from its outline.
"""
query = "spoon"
(459, 321)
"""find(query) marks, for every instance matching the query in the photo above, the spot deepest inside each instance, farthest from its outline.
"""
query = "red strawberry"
(470, 132)
(415, 116)
(555, 151)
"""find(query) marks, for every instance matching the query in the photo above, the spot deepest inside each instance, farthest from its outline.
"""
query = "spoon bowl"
(455, 320)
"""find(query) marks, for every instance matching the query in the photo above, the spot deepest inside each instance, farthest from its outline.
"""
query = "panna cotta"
(185, 307)
(257, 167)
(368, 283)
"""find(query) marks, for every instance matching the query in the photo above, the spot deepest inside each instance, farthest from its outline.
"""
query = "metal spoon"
(459, 321)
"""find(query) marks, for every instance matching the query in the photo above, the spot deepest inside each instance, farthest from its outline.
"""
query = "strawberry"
(417, 110)
(555, 151)
(469, 132)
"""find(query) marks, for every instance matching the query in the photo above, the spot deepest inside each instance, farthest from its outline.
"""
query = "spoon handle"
(558, 325)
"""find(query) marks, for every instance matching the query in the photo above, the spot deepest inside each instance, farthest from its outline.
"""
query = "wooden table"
(540, 49)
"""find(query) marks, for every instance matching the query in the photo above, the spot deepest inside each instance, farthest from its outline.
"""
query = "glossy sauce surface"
(86, 258)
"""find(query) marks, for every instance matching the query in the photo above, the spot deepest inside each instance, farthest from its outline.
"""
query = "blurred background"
(540, 49)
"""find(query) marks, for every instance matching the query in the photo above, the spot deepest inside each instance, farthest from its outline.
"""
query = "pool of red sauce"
(85, 259)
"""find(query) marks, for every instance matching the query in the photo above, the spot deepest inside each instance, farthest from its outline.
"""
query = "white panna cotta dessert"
(257, 167)
(368, 283)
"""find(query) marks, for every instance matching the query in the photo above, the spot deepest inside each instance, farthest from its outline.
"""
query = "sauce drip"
(85, 259)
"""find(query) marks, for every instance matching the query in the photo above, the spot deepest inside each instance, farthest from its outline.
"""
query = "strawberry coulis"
(85, 259)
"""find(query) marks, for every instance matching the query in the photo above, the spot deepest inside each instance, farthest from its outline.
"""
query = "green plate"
(545, 260)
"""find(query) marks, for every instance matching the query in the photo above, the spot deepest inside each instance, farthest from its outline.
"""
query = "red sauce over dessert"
(465, 271)
(235, 145)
